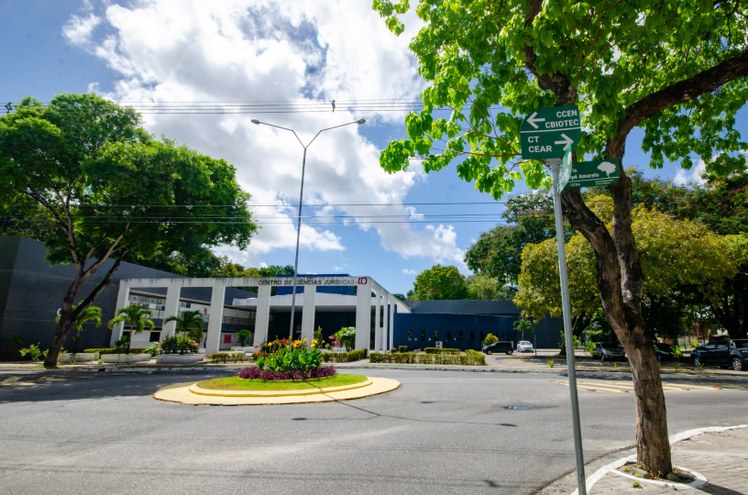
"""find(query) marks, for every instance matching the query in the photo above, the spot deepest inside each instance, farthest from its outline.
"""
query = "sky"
(216, 65)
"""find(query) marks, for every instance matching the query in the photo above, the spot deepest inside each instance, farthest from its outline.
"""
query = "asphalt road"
(441, 432)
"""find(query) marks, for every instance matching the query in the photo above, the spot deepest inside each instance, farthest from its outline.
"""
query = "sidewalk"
(716, 456)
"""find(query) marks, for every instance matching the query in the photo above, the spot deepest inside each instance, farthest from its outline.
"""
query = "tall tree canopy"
(674, 68)
(86, 168)
(440, 283)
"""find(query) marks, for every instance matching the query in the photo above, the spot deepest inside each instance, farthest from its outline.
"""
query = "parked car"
(723, 352)
(664, 352)
(506, 347)
(608, 351)
(524, 346)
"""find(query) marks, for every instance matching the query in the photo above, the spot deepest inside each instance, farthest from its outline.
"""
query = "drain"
(299, 419)
(517, 408)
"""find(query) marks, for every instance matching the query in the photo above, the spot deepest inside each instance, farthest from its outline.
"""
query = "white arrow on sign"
(533, 118)
(566, 141)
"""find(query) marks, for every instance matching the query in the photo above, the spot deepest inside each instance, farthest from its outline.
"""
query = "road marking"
(620, 387)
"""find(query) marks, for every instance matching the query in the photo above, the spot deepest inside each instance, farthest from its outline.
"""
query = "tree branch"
(679, 92)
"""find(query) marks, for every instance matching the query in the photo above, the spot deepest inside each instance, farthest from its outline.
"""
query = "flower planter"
(125, 358)
(79, 357)
(179, 358)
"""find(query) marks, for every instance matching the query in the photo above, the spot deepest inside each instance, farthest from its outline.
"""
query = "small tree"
(89, 314)
(522, 325)
(347, 337)
(490, 339)
(243, 335)
(136, 317)
(189, 323)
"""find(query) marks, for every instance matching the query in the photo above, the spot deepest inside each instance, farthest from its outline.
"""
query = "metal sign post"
(566, 308)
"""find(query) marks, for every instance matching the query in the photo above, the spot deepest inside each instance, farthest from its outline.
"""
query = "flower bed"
(284, 360)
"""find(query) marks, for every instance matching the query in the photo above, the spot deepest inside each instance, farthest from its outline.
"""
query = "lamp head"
(255, 121)
(361, 121)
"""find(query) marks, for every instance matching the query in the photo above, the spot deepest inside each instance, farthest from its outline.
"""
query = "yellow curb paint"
(183, 393)
(197, 389)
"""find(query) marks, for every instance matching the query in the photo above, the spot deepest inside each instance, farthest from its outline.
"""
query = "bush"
(441, 350)
(490, 339)
(344, 357)
(253, 372)
(402, 348)
(282, 355)
(469, 358)
(100, 350)
(225, 357)
(178, 344)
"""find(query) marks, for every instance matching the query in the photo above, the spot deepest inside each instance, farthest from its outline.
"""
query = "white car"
(524, 346)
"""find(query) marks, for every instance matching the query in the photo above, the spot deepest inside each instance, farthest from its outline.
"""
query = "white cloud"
(78, 30)
(693, 176)
(277, 53)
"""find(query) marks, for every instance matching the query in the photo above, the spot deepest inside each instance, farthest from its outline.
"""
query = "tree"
(497, 253)
(484, 288)
(523, 325)
(91, 314)
(440, 283)
(675, 69)
(136, 317)
(109, 190)
(678, 256)
(189, 323)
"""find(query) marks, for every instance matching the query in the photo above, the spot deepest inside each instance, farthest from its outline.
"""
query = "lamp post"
(301, 201)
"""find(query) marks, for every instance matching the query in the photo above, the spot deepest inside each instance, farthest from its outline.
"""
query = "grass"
(236, 383)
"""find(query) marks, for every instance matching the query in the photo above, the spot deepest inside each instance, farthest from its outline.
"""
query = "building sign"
(312, 281)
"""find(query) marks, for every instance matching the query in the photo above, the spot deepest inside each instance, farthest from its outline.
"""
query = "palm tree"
(190, 323)
(136, 317)
(89, 314)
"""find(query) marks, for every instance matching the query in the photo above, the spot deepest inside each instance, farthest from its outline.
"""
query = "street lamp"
(301, 200)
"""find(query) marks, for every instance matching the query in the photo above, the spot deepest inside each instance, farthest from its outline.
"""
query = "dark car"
(506, 347)
(664, 352)
(608, 351)
(723, 352)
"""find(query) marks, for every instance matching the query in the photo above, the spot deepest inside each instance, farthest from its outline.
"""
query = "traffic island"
(191, 393)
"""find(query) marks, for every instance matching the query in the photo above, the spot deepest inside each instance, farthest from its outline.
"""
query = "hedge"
(344, 357)
(469, 358)
(440, 350)
(113, 350)
(225, 357)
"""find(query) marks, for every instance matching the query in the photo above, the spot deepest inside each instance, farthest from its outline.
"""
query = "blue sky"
(284, 62)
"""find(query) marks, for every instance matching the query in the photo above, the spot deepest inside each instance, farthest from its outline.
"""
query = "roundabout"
(192, 393)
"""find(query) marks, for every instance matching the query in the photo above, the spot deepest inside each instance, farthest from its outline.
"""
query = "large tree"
(674, 68)
(440, 283)
(678, 256)
(107, 189)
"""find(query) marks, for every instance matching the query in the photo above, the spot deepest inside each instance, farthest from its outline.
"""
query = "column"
(171, 308)
(215, 320)
(122, 296)
(262, 315)
(378, 337)
(363, 316)
(307, 313)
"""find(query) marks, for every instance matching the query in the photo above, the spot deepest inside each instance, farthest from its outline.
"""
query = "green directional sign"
(549, 132)
(594, 173)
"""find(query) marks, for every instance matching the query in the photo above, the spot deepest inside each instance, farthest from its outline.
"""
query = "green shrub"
(34, 352)
(100, 350)
(402, 348)
(469, 358)
(490, 339)
(178, 344)
(225, 357)
(344, 357)
(441, 350)
(282, 356)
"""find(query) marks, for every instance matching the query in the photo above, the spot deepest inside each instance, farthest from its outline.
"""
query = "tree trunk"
(620, 280)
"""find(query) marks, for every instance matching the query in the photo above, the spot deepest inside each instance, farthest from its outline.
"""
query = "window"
(154, 337)
(410, 335)
(423, 335)
(436, 334)
(449, 336)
